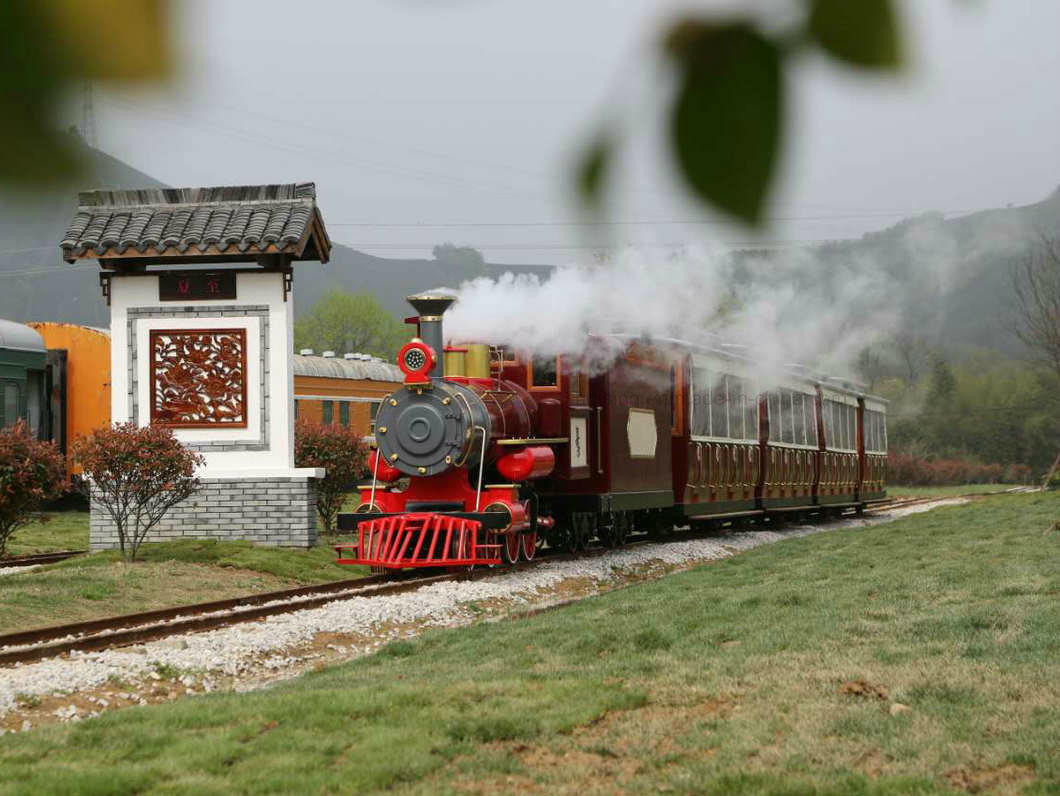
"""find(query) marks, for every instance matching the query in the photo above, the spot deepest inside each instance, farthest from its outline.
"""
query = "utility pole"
(87, 127)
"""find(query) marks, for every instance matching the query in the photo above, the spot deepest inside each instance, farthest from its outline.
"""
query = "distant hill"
(950, 280)
(38, 285)
(951, 277)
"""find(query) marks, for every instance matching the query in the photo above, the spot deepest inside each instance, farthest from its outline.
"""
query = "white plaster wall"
(252, 289)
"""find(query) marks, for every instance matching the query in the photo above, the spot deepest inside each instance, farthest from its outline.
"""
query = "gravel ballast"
(270, 649)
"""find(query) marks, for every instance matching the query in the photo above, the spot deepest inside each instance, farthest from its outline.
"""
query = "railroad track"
(100, 634)
(39, 558)
(117, 631)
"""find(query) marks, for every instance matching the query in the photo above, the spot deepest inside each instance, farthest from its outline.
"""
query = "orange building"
(345, 391)
(81, 396)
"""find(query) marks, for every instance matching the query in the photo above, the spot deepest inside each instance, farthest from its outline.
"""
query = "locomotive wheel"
(461, 551)
(659, 528)
(509, 547)
(583, 523)
(528, 545)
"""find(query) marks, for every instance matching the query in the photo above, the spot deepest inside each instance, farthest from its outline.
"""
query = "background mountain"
(951, 277)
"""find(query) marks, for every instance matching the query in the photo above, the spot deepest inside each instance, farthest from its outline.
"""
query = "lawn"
(63, 530)
(945, 491)
(166, 574)
(918, 656)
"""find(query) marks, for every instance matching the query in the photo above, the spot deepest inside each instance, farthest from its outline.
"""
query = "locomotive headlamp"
(416, 359)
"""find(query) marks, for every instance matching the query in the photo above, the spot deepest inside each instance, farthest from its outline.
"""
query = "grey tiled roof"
(169, 223)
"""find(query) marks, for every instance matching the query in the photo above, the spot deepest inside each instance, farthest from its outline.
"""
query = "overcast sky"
(424, 122)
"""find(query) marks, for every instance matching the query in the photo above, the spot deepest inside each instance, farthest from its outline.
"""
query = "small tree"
(347, 322)
(341, 452)
(136, 474)
(31, 473)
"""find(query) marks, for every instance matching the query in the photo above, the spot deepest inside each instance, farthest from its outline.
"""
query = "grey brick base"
(278, 512)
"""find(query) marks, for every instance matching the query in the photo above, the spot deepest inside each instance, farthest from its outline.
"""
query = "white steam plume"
(789, 307)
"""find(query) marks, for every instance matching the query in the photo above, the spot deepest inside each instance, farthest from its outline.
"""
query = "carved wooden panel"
(199, 378)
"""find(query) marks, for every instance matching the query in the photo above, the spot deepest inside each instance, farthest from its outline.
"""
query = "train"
(342, 390)
(486, 453)
(56, 377)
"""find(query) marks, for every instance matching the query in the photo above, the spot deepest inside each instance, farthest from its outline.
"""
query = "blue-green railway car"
(23, 378)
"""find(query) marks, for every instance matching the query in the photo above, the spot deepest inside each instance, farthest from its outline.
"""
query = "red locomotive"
(500, 452)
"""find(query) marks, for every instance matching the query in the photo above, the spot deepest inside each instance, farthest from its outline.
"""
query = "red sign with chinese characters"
(196, 286)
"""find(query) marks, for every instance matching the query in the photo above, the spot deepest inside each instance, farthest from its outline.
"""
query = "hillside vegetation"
(912, 657)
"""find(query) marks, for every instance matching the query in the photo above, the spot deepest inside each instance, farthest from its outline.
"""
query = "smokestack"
(431, 306)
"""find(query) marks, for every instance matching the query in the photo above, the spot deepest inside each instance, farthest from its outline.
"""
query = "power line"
(550, 245)
(608, 223)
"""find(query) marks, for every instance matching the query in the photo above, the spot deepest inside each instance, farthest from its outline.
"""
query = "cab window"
(543, 372)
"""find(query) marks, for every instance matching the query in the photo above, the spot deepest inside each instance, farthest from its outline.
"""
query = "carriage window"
(773, 405)
(719, 421)
(735, 407)
(579, 384)
(751, 411)
(811, 421)
(327, 412)
(798, 417)
(783, 417)
(10, 405)
(543, 372)
(826, 417)
(701, 402)
(344, 413)
(875, 432)
(296, 403)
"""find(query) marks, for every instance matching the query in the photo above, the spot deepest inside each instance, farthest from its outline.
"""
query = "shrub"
(343, 455)
(910, 469)
(136, 474)
(31, 474)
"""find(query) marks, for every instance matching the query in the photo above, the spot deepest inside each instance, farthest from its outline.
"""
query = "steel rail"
(100, 634)
(39, 558)
(95, 635)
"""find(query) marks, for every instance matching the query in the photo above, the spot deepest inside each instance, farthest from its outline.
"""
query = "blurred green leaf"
(47, 51)
(860, 32)
(726, 122)
(593, 170)
(137, 45)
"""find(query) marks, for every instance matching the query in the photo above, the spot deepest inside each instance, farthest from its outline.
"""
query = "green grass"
(64, 530)
(725, 679)
(945, 491)
(165, 574)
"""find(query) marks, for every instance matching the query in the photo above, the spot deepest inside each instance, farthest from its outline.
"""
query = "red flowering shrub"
(911, 470)
(341, 452)
(31, 473)
(136, 474)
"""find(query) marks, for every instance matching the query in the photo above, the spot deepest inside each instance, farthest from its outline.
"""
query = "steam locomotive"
(484, 453)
